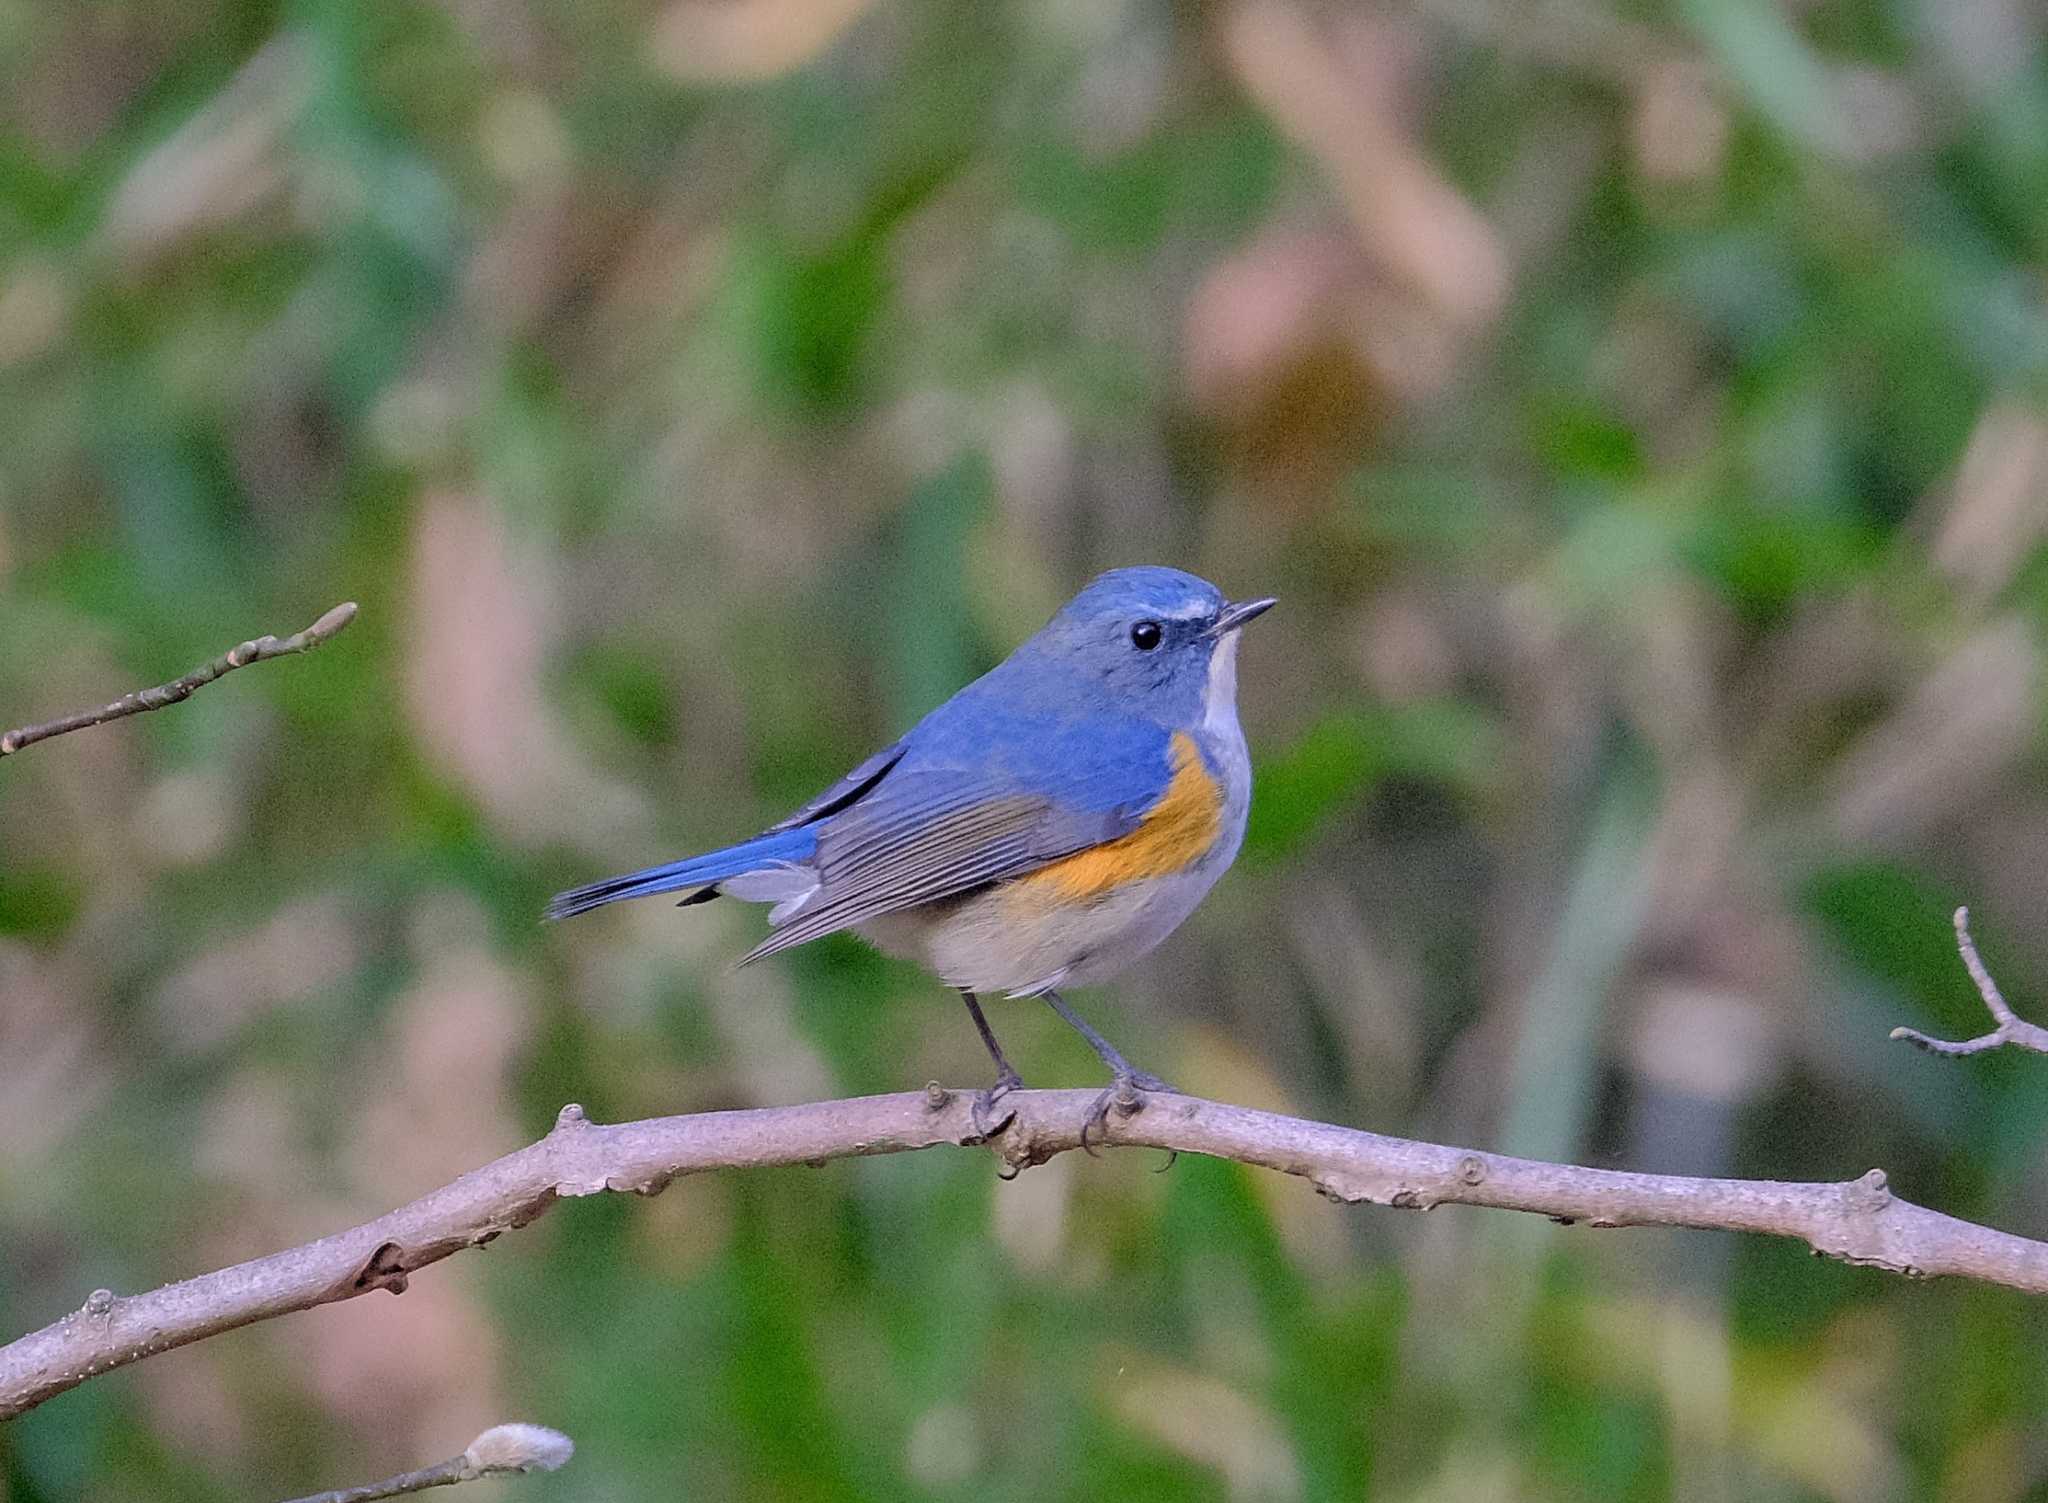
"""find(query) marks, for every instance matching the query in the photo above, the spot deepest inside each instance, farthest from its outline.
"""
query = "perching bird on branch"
(1046, 826)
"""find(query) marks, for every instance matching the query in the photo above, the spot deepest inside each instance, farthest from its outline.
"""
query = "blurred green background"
(1639, 408)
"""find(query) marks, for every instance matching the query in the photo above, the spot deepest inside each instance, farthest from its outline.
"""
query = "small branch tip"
(2011, 1028)
(159, 696)
(333, 623)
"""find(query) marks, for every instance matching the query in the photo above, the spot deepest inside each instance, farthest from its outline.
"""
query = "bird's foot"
(989, 1116)
(1124, 1095)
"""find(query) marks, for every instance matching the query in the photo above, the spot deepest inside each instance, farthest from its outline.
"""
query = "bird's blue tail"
(763, 853)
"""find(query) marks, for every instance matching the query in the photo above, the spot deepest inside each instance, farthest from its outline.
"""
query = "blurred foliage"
(1642, 410)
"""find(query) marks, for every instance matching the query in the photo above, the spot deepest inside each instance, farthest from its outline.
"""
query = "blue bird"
(1043, 828)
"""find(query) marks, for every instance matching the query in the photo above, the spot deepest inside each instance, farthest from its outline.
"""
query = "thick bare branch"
(238, 656)
(1859, 1221)
(2011, 1029)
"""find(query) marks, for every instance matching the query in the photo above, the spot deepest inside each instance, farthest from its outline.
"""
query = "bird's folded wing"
(918, 837)
(854, 785)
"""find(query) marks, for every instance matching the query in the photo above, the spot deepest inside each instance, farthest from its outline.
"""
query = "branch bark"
(256, 650)
(1859, 1221)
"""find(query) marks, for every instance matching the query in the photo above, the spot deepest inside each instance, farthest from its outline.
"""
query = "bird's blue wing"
(961, 810)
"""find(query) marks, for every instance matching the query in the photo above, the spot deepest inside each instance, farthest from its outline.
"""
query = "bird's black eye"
(1145, 635)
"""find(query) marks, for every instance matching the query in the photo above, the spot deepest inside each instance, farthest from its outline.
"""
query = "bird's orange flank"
(1175, 832)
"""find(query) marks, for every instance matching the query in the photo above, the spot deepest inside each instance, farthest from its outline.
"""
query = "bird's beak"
(1237, 612)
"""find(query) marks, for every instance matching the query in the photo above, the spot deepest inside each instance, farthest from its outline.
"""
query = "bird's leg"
(1128, 1077)
(1007, 1078)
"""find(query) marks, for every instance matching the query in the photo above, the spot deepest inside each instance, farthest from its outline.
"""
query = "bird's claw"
(1126, 1094)
(987, 1118)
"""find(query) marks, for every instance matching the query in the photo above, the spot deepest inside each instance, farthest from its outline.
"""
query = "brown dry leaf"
(1959, 732)
(1997, 509)
(1802, 1427)
(1031, 1216)
(1679, 132)
(194, 1405)
(1207, 1421)
(1259, 311)
(35, 309)
(1990, 1466)
(50, 1076)
(1716, 1043)
(480, 624)
(252, 1136)
(682, 1231)
(1404, 212)
(442, 1106)
(300, 950)
(1291, 349)
(414, 1376)
(1473, 1472)
(709, 41)
(224, 163)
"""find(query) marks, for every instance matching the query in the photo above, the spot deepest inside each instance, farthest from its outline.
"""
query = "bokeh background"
(1639, 407)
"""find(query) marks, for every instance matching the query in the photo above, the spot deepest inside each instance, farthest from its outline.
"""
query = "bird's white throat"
(1219, 698)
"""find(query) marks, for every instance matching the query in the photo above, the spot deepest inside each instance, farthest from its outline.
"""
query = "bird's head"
(1160, 642)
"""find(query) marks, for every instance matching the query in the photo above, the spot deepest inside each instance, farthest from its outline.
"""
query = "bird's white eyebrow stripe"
(1189, 612)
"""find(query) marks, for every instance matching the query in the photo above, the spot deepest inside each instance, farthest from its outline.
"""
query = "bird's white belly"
(1006, 939)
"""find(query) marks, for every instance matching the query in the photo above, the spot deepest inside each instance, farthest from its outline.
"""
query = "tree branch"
(239, 656)
(1859, 1221)
(2011, 1028)
(501, 1451)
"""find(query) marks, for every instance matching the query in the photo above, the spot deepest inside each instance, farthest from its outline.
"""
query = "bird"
(1049, 824)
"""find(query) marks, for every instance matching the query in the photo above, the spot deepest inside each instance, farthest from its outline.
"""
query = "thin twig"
(441, 1474)
(2011, 1029)
(501, 1451)
(239, 656)
(1859, 1221)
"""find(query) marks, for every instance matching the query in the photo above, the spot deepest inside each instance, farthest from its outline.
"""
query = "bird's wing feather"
(921, 834)
(855, 785)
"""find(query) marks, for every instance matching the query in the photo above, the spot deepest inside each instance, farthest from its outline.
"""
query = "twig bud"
(517, 1448)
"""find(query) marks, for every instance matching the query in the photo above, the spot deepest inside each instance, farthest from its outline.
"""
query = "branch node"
(571, 1117)
(385, 1270)
(100, 1303)
(1019, 1148)
(1472, 1170)
(936, 1096)
(1873, 1190)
